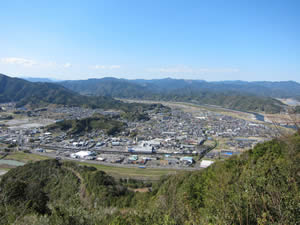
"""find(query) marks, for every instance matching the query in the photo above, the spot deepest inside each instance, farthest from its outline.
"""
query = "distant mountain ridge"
(240, 95)
(100, 93)
(280, 89)
(40, 79)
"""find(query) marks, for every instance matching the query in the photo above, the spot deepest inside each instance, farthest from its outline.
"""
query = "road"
(116, 164)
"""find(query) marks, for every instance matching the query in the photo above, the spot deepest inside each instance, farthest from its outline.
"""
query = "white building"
(206, 163)
(82, 154)
(115, 143)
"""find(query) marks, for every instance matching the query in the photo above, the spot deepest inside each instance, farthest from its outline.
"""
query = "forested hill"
(233, 96)
(107, 87)
(39, 93)
(260, 186)
(25, 92)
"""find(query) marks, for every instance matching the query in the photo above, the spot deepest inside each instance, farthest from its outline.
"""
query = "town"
(175, 138)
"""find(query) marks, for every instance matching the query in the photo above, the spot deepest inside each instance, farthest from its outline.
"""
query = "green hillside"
(106, 87)
(228, 100)
(37, 94)
(97, 122)
(260, 186)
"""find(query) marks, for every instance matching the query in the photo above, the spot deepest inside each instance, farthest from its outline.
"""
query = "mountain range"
(111, 86)
(239, 95)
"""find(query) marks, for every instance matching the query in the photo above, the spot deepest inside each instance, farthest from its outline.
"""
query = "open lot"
(26, 123)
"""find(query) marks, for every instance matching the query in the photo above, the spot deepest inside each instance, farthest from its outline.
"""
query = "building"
(187, 159)
(115, 143)
(39, 150)
(133, 158)
(82, 154)
(141, 149)
(206, 163)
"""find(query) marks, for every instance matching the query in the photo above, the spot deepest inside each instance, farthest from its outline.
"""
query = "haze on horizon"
(209, 40)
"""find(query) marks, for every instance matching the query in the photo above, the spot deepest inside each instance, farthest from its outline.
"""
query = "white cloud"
(33, 63)
(186, 69)
(114, 67)
(99, 67)
(106, 67)
(67, 65)
(18, 61)
(219, 70)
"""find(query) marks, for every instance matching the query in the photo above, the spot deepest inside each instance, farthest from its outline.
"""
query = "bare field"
(289, 101)
(25, 123)
(283, 118)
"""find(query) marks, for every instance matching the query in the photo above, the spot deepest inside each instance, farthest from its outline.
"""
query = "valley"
(179, 136)
(150, 112)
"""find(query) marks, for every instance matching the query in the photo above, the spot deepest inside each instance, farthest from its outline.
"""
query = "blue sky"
(208, 39)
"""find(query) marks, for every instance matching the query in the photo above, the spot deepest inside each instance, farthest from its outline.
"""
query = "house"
(115, 143)
(39, 150)
(101, 159)
(75, 144)
(100, 144)
(187, 159)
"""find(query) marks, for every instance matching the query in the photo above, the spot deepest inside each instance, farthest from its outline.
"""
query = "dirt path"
(84, 197)
(3, 156)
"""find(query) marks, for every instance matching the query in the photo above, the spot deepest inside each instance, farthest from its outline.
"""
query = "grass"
(25, 157)
(222, 143)
(137, 173)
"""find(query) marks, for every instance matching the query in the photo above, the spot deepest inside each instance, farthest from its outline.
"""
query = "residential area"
(176, 139)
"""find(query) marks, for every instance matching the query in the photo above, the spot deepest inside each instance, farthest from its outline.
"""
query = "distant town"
(184, 137)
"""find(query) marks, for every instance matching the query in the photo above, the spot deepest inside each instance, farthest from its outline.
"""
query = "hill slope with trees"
(260, 186)
(38, 93)
(96, 122)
